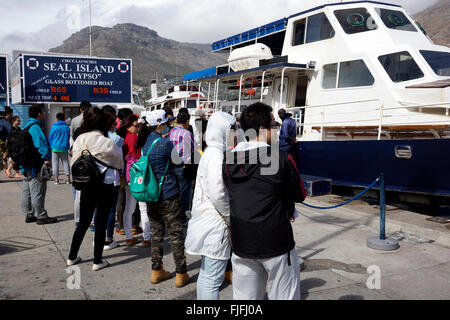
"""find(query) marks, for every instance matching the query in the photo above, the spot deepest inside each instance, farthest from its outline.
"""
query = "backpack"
(22, 151)
(85, 173)
(143, 184)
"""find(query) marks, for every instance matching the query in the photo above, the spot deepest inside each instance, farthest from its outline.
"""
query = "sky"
(39, 25)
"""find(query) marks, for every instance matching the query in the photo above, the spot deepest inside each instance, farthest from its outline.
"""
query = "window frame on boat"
(387, 20)
(404, 52)
(430, 61)
(305, 21)
(365, 15)
(338, 79)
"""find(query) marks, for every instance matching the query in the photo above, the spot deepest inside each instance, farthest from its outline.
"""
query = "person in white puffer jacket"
(207, 233)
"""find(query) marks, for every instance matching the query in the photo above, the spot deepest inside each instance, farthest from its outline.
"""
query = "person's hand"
(293, 219)
(48, 163)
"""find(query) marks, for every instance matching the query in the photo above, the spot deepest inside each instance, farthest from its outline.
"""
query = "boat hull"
(359, 163)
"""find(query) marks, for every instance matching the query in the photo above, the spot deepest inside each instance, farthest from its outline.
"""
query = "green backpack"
(143, 184)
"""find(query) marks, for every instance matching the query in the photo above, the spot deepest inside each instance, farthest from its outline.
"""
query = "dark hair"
(60, 116)
(255, 116)
(144, 132)
(8, 110)
(94, 119)
(183, 118)
(281, 113)
(109, 118)
(110, 110)
(168, 110)
(35, 110)
(14, 118)
(127, 122)
(183, 110)
(85, 106)
(123, 113)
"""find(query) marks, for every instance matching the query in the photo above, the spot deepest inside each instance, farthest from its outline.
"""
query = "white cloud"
(40, 25)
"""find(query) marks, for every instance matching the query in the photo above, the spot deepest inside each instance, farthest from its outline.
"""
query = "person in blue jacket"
(59, 142)
(288, 133)
(34, 188)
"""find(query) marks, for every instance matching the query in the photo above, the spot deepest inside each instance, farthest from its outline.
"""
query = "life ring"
(356, 23)
(396, 19)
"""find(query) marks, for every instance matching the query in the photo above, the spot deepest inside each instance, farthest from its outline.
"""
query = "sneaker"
(73, 262)
(30, 219)
(120, 231)
(56, 182)
(132, 242)
(137, 230)
(68, 182)
(46, 220)
(92, 227)
(109, 245)
(97, 267)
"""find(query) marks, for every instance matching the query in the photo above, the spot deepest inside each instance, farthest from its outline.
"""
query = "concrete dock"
(338, 264)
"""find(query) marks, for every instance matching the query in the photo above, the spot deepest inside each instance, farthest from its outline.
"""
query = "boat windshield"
(395, 20)
(439, 61)
(401, 66)
(355, 20)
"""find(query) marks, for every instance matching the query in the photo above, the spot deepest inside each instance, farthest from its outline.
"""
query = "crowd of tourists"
(210, 180)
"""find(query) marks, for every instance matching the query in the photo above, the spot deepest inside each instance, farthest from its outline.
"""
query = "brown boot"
(229, 277)
(159, 276)
(181, 280)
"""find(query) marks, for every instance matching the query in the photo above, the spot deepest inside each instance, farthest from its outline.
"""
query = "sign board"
(16, 84)
(3, 75)
(60, 79)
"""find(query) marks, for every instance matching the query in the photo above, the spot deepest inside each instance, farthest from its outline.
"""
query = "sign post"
(61, 79)
(4, 83)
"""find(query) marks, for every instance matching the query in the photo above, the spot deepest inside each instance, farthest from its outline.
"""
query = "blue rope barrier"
(346, 202)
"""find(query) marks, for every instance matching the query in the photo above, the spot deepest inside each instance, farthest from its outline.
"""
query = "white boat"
(369, 90)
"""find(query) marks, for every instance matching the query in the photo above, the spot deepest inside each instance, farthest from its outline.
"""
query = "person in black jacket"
(262, 203)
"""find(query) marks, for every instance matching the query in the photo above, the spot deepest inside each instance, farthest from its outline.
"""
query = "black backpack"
(85, 173)
(22, 151)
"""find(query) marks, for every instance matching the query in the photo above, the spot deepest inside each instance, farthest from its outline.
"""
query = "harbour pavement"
(338, 264)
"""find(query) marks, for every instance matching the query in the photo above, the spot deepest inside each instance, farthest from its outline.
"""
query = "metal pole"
(382, 208)
(240, 89)
(262, 85)
(323, 120)
(198, 98)
(216, 104)
(381, 123)
(7, 80)
(281, 89)
(90, 28)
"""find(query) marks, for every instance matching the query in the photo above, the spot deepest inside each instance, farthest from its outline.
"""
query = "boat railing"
(374, 116)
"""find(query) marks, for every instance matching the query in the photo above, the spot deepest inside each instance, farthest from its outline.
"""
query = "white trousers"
(145, 222)
(130, 206)
(253, 277)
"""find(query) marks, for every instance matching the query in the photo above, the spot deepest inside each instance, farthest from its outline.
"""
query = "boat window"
(355, 20)
(299, 34)
(439, 61)
(319, 28)
(395, 20)
(329, 76)
(192, 104)
(354, 74)
(401, 66)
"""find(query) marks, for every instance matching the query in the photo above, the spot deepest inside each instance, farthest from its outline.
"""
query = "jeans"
(100, 198)
(112, 215)
(185, 188)
(33, 195)
(130, 207)
(212, 273)
(56, 156)
(145, 221)
(291, 149)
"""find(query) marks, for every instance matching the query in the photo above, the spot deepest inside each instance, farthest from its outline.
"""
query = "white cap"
(157, 117)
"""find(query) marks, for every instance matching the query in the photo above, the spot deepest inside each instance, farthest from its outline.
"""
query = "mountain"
(436, 22)
(151, 53)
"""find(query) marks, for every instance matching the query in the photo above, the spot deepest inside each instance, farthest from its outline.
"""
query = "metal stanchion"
(382, 243)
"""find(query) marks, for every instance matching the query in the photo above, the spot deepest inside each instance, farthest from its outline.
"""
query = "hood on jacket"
(246, 158)
(60, 123)
(217, 130)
